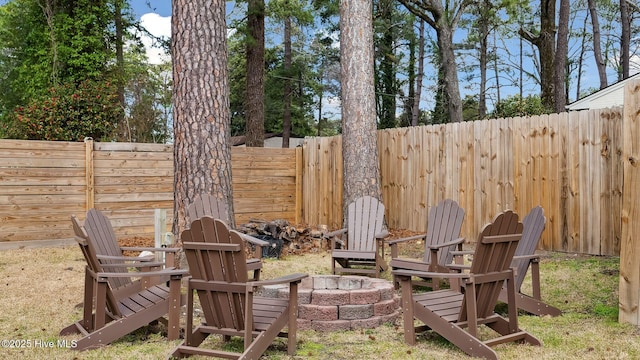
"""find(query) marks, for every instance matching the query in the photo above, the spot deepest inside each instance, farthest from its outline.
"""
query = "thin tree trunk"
(484, 34)
(415, 114)
(583, 49)
(254, 101)
(497, 70)
(560, 60)
(625, 40)
(120, 60)
(202, 152)
(49, 13)
(597, 50)
(286, 116)
(411, 80)
(545, 42)
(386, 74)
(359, 138)
(450, 73)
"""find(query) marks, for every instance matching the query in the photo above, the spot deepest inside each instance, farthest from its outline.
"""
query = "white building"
(611, 96)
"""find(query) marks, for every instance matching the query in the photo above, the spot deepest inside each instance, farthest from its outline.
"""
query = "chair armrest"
(135, 259)
(333, 238)
(335, 233)
(167, 249)
(138, 265)
(253, 240)
(527, 257)
(458, 267)
(448, 243)
(462, 252)
(172, 272)
(281, 280)
(430, 274)
(398, 241)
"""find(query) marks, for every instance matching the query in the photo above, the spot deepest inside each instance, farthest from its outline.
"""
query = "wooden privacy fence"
(42, 183)
(570, 163)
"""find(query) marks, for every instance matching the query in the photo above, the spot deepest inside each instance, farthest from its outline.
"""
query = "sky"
(156, 18)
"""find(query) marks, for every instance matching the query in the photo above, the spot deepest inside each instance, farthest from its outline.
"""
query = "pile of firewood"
(297, 239)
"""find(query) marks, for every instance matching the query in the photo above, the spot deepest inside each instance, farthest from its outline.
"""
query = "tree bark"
(359, 139)
(202, 152)
(254, 129)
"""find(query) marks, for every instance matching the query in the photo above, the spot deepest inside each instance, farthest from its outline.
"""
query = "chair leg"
(407, 311)
(293, 319)
(173, 327)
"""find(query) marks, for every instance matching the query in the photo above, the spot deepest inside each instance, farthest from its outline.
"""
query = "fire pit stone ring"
(333, 302)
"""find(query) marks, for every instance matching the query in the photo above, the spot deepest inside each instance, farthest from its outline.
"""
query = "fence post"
(629, 291)
(89, 179)
(160, 227)
(298, 215)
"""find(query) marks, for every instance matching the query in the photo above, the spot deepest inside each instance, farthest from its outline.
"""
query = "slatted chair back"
(443, 224)
(365, 218)
(492, 258)
(93, 264)
(207, 205)
(534, 224)
(218, 263)
(105, 242)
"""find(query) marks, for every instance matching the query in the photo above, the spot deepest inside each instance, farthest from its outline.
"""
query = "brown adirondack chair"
(525, 257)
(209, 205)
(217, 263)
(456, 313)
(110, 253)
(443, 235)
(361, 242)
(111, 312)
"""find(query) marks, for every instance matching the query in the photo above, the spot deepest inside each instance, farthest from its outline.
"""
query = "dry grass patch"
(41, 288)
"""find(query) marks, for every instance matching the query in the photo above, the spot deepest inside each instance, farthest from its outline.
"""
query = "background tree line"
(76, 68)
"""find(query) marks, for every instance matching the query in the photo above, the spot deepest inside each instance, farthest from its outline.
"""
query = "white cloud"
(159, 26)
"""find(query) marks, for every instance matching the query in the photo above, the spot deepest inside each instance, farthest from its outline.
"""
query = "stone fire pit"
(332, 302)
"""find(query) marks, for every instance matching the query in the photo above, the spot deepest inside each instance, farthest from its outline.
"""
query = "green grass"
(41, 287)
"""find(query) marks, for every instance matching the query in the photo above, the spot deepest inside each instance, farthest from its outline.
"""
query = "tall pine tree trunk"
(202, 152)
(359, 139)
